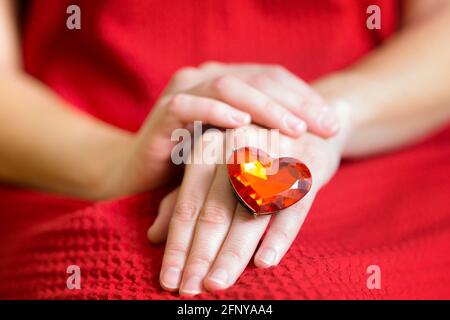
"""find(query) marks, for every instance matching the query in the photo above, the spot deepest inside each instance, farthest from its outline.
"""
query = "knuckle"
(310, 105)
(277, 71)
(185, 74)
(185, 211)
(258, 80)
(207, 103)
(175, 102)
(199, 258)
(210, 108)
(281, 233)
(271, 109)
(179, 99)
(234, 253)
(213, 213)
(210, 65)
(221, 83)
(175, 249)
(304, 107)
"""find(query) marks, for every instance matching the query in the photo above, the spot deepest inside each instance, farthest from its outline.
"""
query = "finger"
(275, 90)
(277, 72)
(194, 188)
(157, 232)
(185, 108)
(285, 88)
(212, 226)
(242, 96)
(290, 80)
(282, 232)
(318, 117)
(323, 120)
(237, 250)
(183, 79)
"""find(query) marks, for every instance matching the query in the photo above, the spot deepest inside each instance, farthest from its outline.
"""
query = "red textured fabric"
(391, 211)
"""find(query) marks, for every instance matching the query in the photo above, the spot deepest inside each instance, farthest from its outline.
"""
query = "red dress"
(391, 211)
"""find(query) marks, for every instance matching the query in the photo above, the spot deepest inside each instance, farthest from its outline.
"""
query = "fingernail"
(219, 276)
(267, 256)
(295, 125)
(240, 117)
(328, 122)
(171, 278)
(192, 286)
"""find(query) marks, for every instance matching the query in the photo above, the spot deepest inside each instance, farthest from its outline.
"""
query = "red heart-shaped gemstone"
(266, 185)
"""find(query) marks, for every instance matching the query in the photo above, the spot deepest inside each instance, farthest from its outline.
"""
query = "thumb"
(157, 232)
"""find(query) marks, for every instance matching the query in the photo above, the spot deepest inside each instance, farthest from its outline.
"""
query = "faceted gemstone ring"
(265, 185)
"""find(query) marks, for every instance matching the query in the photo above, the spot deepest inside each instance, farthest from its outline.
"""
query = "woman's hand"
(211, 238)
(227, 96)
(244, 85)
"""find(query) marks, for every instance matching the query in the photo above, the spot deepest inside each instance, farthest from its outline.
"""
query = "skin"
(393, 97)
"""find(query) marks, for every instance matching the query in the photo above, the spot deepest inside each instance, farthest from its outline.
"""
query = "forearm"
(398, 94)
(46, 143)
